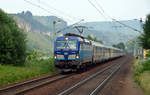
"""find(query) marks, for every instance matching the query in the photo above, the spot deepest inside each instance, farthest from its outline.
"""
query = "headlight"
(66, 38)
(77, 56)
(55, 57)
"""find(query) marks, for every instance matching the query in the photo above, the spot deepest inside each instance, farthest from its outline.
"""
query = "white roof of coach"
(97, 44)
(101, 45)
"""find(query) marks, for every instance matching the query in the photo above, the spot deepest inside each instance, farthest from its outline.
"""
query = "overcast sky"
(74, 10)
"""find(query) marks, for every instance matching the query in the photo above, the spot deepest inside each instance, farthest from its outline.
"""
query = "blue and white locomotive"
(74, 52)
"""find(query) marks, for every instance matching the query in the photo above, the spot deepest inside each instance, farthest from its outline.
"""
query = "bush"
(148, 54)
(10, 74)
(33, 56)
(142, 75)
(143, 66)
(36, 59)
(12, 41)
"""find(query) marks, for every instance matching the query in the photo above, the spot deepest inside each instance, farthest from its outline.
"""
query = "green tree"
(145, 37)
(12, 41)
(94, 39)
(120, 46)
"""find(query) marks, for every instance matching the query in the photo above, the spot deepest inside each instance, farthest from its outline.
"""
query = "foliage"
(12, 41)
(133, 44)
(143, 66)
(120, 46)
(142, 75)
(35, 66)
(39, 42)
(148, 54)
(145, 37)
(94, 39)
(10, 74)
(33, 57)
(143, 81)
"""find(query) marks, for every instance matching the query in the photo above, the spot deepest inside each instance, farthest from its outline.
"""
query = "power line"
(99, 6)
(103, 12)
(127, 25)
(97, 9)
(113, 18)
(72, 17)
(70, 26)
(33, 4)
(38, 6)
(52, 13)
(111, 23)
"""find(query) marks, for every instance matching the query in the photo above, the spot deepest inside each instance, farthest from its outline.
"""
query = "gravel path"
(122, 83)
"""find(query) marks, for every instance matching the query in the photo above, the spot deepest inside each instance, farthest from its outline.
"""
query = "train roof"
(104, 46)
(81, 38)
(74, 35)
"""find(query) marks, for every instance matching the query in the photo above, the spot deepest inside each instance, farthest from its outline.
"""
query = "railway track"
(32, 84)
(94, 83)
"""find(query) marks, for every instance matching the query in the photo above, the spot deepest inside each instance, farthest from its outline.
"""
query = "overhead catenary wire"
(97, 9)
(44, 9)
(53, 14)
(103, 12)
(59, 11)
(127, 25)
(113, 18)
(99, 6)
(70, 26)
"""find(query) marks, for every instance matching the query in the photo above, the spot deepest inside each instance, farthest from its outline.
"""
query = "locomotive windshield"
(66, 44)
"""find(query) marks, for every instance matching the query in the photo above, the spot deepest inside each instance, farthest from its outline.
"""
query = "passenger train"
(75, 52)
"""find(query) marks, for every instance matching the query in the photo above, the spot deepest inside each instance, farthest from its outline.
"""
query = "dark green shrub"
(143, 66)
(148, 54)
(12, 41)
(33, 56)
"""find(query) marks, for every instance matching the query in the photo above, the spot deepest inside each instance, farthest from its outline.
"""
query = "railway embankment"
(142, 74)
(64, 84)
(34, 68)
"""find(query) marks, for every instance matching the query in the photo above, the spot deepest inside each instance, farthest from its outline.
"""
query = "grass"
(142, 75)
(10, 74)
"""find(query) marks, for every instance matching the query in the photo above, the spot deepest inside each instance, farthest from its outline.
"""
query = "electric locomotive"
(72, 52)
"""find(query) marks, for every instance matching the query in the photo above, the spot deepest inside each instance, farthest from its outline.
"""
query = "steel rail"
(26, 82)
(39, 85)
(48, 80)
(101, 85)
(68, 91)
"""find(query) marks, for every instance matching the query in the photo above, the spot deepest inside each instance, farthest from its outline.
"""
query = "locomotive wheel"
(79, 70)
(84, 67)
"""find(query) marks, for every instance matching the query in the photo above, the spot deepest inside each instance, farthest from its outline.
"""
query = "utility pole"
(138, 52)
(141, 49)
(54, 28)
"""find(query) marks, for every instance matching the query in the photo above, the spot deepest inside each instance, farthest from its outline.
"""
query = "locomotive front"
(66, 52)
